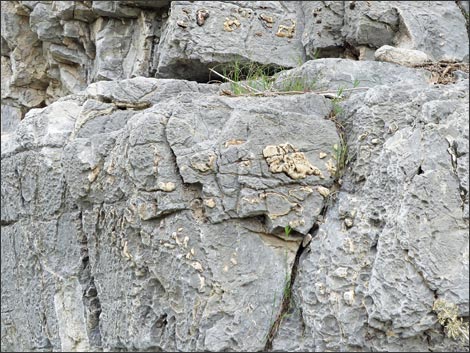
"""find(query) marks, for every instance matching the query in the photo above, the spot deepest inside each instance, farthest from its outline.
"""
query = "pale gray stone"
(44, 21)
(115, 170)
(65, 55)
(400, 56)
(263, 32)
(11, 117)
(332, 28)
(322, 35)
(334, 74)
(114, 9)
(409, 241)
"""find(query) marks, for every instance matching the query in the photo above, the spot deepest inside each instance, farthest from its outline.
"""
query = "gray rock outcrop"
(384, 253)
(145, 209)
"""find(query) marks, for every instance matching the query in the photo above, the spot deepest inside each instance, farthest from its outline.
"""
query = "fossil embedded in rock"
(286, 31)
(286, 158)
(201, 17)
(231, 24)
(323, 191)
(267, 21)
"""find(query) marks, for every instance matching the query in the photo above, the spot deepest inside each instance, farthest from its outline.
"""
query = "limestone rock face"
(146, 207)
(266, 32)
(54, 48)
(385, 251)
(438, 30)
(189, 216)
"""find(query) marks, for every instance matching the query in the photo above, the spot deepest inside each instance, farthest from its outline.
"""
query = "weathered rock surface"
(400, 223)
(334, 74)
(143, 212)
(54, 48)
(332, 27)
(267, 32)
(178, 198)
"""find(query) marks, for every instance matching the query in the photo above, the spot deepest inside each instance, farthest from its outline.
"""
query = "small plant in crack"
(337, 109)
(316, 54)
(299, 60)
(455, 327)
(287, 231)
(255, 78)
(249, 77)
(340, 155)
(292, 83)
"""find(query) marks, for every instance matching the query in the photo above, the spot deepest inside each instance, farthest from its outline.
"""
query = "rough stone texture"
(145, 214)
(222, 149)
(267, 32)
(333, 74)
(332, 27)
(322, 34)
(397, 237)
(131, 191)
(54, 48)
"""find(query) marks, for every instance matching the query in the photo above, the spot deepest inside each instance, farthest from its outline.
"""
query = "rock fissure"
(286, 301)
(289, 286)
(90, 295)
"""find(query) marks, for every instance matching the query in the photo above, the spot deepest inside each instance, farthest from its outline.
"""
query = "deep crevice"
(90, 298)
(7, 223)
(286, 302)
(420, 171)
(287, 296)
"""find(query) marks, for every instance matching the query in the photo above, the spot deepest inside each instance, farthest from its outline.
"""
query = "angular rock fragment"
(400, 56)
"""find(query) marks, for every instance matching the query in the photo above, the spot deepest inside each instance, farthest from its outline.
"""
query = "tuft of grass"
(300, 61)
(248, 77)
(252, 77)
(454, 327)
(293, 83)
(337, 109)
(316, 54)
(287, 231)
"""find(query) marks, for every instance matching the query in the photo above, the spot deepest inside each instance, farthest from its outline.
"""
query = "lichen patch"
(231, 24)
(285, 158)
(286, 31)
